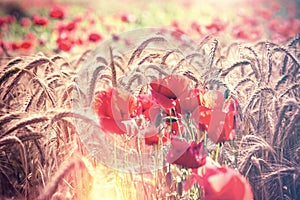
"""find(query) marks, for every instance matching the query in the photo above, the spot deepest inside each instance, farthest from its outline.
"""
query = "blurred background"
(32, 23)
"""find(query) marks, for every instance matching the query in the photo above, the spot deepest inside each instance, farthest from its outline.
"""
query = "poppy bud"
(169, 179)
(158, 120)
(179, 188)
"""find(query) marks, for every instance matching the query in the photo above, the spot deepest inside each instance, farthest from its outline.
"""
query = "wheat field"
(42, 156)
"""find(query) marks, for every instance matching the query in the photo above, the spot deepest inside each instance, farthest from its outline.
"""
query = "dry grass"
(38, 122)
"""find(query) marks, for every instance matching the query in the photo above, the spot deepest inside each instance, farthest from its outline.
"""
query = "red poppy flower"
(245, 33)
(2, 21)
(187, 155)
(225, 183)
(64, 44)
(30, 35)
(14, 46)
(196, 27)
(221, 127)
(223, 124)
(216, 117)
(70, 26)
(166, 90)
(177, 33)
(8, 19)
(40, 21)
(25, 45)
(264, 13)
(148, 107)
(57, 13)
(188, 101)
(95, 37)
(113, 107)
(128, 18)
(11, 19)
(202, 116)
(152, 137)
(175, 127)
(25, 22)
(216, 26)
(220, 182)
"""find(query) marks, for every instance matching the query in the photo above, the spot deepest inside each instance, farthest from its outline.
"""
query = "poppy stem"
(217, 153)
(115, 151)
(205, 139)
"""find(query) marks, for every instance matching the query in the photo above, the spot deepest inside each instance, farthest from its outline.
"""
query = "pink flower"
(8, 19)
(196, 27)
(188, 101)
(152, 136)
(57, 13)
(70, 26)
(14, 46)
(113, 107)
(225, 183)
(216, 26)
(64, 44)
(40, 21)
(128, 18)
(189, 155)
(95, 37)
(25, 45)
(166, 90)
(26, 22)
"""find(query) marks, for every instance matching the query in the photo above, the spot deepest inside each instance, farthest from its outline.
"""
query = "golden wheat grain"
(149, 58)
(93, 81)
(289, 89)
(165, 57)
(287, 52)
(142, 46)
(52, 186)
(24, 123)
(113, 68)
(4, 140)
(237, 64)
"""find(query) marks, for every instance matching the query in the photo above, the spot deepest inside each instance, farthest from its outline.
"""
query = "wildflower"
(216, 26)
(8, 19)
(196, 27)
(178, 33)
(202, 116)
(219, 182)
(40, 21)
(95, 37)
(113, 107)
(225, 183)
(216, 117)
(188, 101)
(64, 44)
(166, 90)
(147, 107)
(14, 46)
(128, 18)
(57, 13)
(25, 45)
(70, 26)
(152, 136)
(25, 22)
(187, 155)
